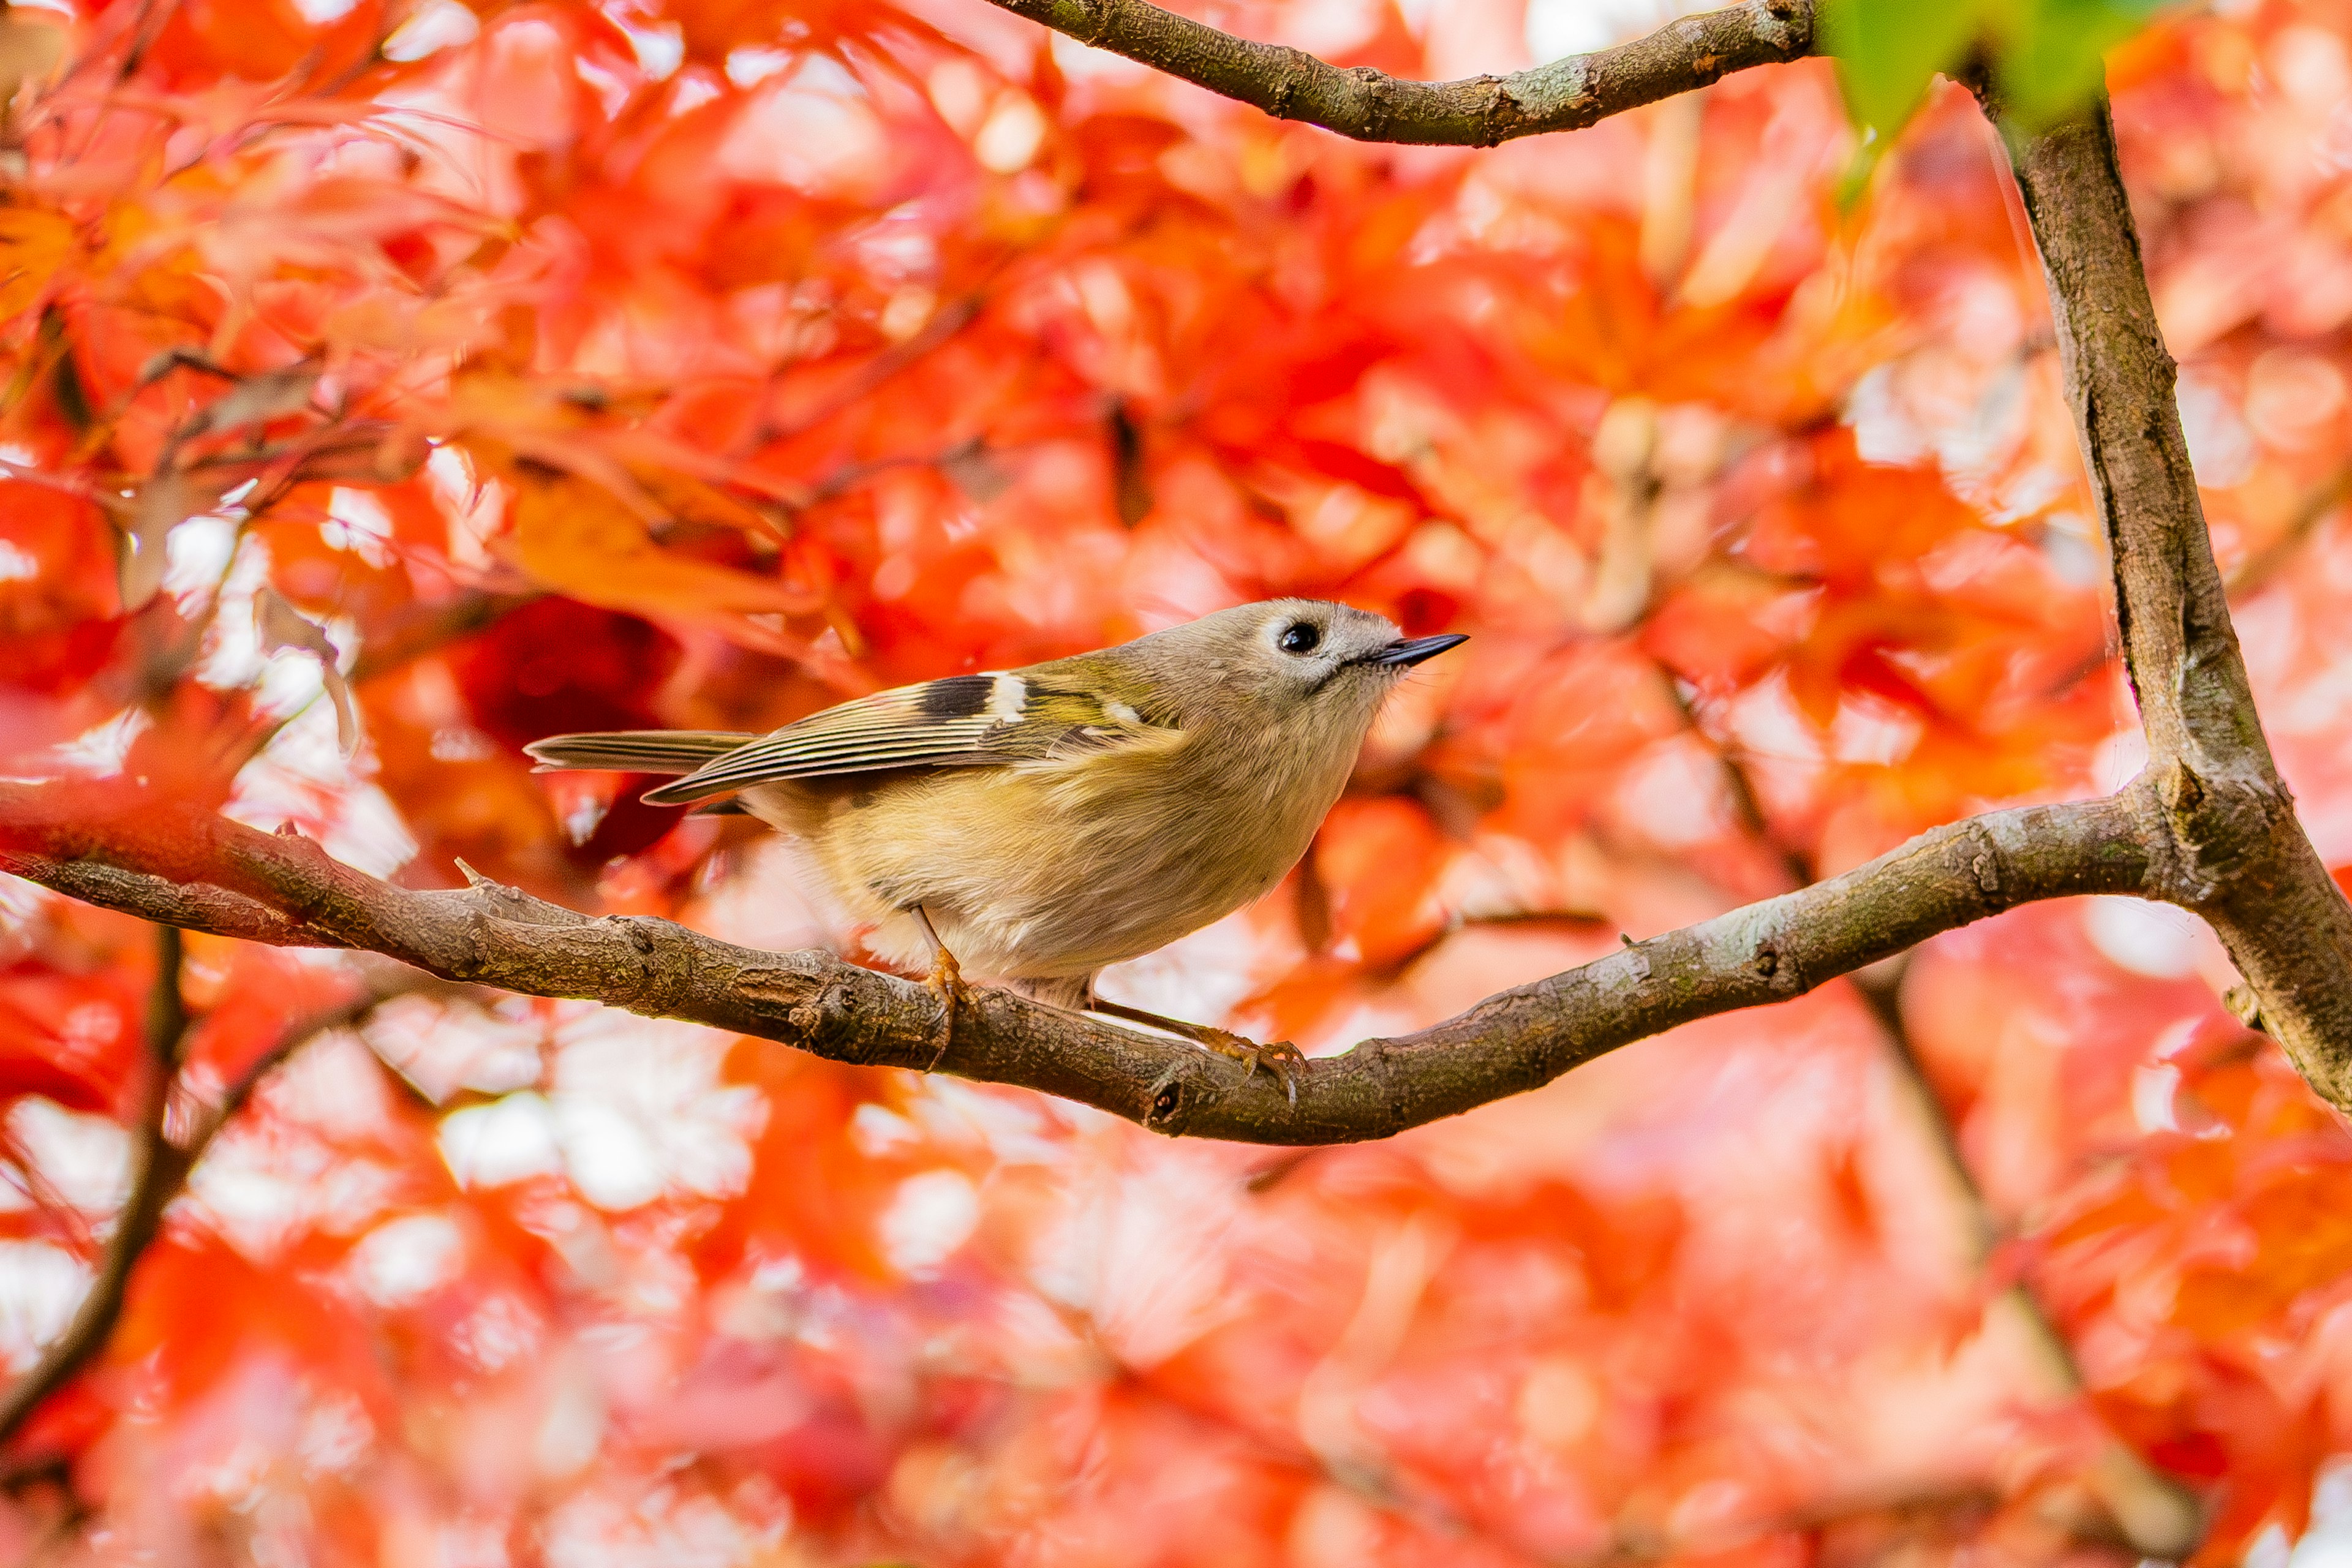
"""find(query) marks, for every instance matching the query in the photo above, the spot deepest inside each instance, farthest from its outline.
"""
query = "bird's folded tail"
(635, 750)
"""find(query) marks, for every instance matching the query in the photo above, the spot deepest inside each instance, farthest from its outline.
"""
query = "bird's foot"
(946, 981)
(1280, 1058)
(1285, 1060)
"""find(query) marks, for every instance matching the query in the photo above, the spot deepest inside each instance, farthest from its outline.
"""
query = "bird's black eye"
(1299, 637)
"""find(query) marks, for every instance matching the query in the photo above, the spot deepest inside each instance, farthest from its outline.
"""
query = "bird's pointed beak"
(1407, 651)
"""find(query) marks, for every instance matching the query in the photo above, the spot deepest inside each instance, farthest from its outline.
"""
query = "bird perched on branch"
(1040, 823)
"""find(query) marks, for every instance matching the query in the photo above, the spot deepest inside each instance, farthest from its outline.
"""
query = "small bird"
(1038, 824)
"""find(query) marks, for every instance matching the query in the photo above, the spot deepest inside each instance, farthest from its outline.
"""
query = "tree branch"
(428, 628)
(159, 1170)
(180, 865)
(2245, 864)
(157, 1173)
(1476, 111)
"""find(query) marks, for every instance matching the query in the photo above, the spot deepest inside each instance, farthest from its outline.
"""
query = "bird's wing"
(964, 720)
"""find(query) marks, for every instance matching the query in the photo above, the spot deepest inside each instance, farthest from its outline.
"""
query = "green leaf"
(2052, 57)
(1889, 51)
(2048, 56)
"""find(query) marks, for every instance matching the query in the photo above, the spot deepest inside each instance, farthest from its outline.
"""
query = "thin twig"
(2317, 505)
(428, 628)
(157, 1173)
(863, 382)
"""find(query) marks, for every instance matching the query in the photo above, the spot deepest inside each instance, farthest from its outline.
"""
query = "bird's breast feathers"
(1049, 820)
(1099, 850)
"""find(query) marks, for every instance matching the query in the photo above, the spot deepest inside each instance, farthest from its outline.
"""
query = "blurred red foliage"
(698, 362)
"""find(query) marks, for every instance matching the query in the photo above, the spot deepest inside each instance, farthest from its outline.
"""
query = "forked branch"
(158, 1169)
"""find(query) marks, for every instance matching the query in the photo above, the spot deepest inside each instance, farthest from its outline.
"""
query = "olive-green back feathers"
(962, 720)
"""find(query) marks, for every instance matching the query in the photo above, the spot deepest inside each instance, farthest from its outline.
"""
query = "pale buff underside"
(1050, 869)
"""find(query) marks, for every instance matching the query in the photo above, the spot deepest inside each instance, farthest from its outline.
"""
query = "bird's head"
(1287, 663)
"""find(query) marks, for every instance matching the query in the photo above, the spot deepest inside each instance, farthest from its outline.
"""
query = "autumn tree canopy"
(1898, 715)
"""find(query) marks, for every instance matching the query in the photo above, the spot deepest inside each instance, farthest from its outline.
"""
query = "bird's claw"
(946, 981)
(1281, 1058)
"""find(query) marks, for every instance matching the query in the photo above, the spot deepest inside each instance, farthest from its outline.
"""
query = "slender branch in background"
(2154, 1514)
(159, 1170)
(428, 628)
(2316, 506)
(1739, 788)
(862, 383)
(175, 864)
(1475, 111)
(42, 1194)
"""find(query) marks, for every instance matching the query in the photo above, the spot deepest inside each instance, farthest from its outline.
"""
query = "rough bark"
(183, 867)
